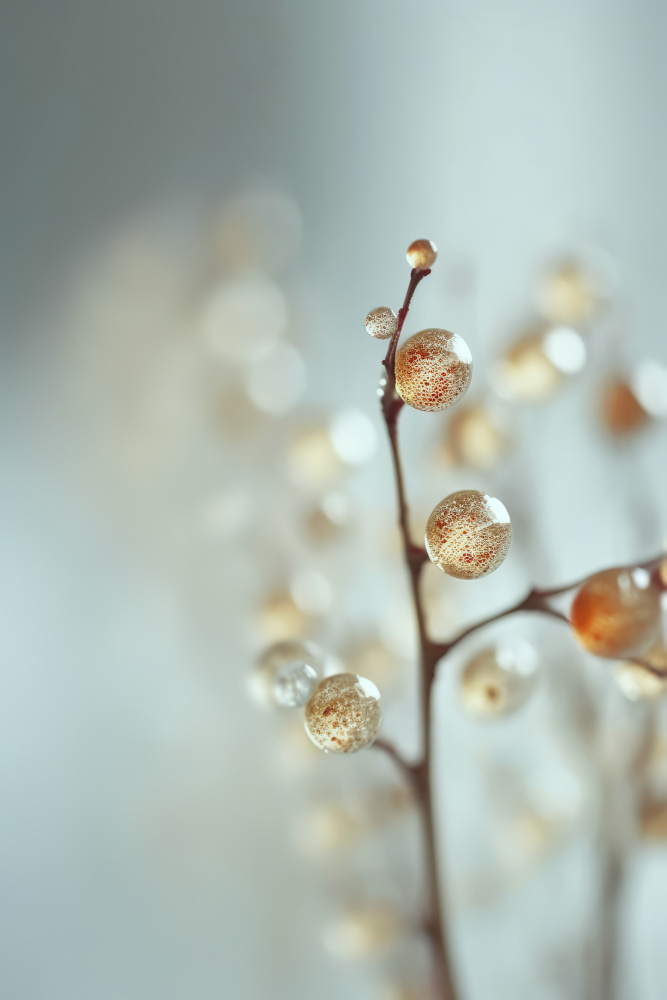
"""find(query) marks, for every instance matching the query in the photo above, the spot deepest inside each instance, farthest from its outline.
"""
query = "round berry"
(433, 369)
(286, 673)
(468, 534)
(616, 614)
(475, 437)
(620, 411)
(422, 254)
(498, 680)
(344, 713)
(382, 323)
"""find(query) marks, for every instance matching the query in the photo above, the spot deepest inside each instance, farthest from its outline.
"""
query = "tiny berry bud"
(468, 534)
(433, 369)
(382, 323)
(616, 614)
(422, 254)
(497, 681)
(344, 713)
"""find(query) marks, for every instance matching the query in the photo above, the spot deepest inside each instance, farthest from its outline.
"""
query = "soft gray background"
(505, 132)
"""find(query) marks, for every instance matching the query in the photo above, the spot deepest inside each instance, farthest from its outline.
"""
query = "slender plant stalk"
(420, 774)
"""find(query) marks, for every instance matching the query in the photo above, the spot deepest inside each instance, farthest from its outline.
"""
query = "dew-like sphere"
(313, 462)
(468, 534)
(382, 323)
(616, 613)
(537, 363)
(498, 680)
(367, 929)
(569, 294)
(327, 828)
(422, 254)
(639, 684)
(433, 369)
(344, 713)
(287, 673)
(475, 437)
(620, 411)
(280, 617)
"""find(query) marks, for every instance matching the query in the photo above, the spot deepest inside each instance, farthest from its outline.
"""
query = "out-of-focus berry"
(327, 828)
(422, 254)
(616, 614)
(433, 369)
(286, 673)
(280, 617)
(312, 459)
(474, 437)
(382, 323)
(569, 294)
(620, 411)
(468, 534)
(639, 684)
(344, 713)
(373, 659)
(498, 680)
(367, 929)
(537, 363)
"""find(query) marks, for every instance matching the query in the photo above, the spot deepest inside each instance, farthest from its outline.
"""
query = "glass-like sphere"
(468, 534)
(344, 713)
(422, 254)
(382, 323)
(474, 437)
(287, 672)
(366, 929)
(620, 410)
(569, 294)
(433, 369)
(616, 613)
(498, 680)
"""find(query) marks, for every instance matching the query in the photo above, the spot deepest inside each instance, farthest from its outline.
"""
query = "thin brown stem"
(420, 773)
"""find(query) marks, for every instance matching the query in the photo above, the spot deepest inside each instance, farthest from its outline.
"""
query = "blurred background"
(200, 204)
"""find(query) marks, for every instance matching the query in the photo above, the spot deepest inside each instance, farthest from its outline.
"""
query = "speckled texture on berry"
(422, 254)
(616, 613)
(433, 369)
(468, 534)
(344, 713)
(382, 323)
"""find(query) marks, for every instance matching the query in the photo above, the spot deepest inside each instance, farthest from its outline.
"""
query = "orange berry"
(616, 613)
(468, 534)
(433, 369)
(620, 411)
(382, 323)
(422, 254)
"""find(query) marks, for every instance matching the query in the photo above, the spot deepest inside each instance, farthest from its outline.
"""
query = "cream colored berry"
(468, 534)
(382, 323)
(344, 713)
(498, 680)
(422, 254)
(433, 369)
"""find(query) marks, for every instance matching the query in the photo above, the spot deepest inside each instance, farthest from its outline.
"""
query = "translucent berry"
(286, 673)
(327, 828)
(344, 713)
(616, 613)
(639, 684)
(498, 680)
(620, 411)
(433, 369)
(382, 323)
(468, 534)
(475, 437)
(537, 363)
(366, 929)
(569, 293)
(422, 254)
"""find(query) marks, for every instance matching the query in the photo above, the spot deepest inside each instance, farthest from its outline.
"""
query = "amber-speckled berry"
(433, 369)
(422, 254)
(344, 713)
(468, 534)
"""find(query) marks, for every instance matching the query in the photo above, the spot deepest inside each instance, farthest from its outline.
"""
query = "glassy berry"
(422, 254)
(498, 680)
(433, 369)
(287, 673)
(620, 410)
(382, 323)
(344, 713)
(616, 613)
(468, 534)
